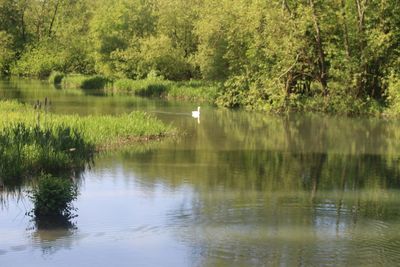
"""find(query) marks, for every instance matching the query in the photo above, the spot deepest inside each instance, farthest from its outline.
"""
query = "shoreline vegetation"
(193, 90)
(34, 141)
(209, 92)
(274, 56)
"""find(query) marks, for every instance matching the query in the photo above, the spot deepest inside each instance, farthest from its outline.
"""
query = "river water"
(238, 189)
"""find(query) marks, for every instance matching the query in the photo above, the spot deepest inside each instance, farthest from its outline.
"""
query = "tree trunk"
(345, 29)
(54, 17)
(361, 6)
(321, 54)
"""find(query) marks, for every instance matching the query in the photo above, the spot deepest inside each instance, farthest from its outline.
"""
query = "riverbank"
(193, 90)
(34, 141)
(338, 102)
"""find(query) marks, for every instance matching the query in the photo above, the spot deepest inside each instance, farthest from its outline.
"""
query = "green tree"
(6, 52)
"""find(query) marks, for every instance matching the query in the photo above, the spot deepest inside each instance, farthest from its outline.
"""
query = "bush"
(6, 52)
(53, 196)
(160, 54)
(393, 95)
(56, 77)
(39, 61)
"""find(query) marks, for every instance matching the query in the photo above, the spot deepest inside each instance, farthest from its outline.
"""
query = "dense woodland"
(338, 56)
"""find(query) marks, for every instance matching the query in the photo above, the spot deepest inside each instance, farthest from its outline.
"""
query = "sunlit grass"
(187, 90)
(84, 82)
(193, 90)
(33, 141)
(100, 131)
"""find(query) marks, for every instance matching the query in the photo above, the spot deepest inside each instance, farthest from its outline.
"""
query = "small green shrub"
(56, 77)
(53, 196)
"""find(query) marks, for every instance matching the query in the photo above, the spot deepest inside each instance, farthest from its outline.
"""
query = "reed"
(34, 141)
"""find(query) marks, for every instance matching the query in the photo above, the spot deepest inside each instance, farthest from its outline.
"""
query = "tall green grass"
(27, 150)
(193, 90)
(85, 82)
(140, 87)
(32, 141)
(199, 91)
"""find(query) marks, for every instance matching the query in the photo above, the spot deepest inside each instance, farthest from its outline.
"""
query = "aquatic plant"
(53, 196)
(32, 141)
(27, 150)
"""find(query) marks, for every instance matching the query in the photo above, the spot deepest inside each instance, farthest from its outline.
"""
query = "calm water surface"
(239, 189)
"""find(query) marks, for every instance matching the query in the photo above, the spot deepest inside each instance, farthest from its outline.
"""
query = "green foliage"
(85, 82)
(101, 131)
(26, 150)
(114, 26)
(53, 196)
(141, 87)
(269, 56)
(56, 77)
(394, 95)
(192, 90)
(159, 54)
(33, 142)
(39, 61)
(6, 52)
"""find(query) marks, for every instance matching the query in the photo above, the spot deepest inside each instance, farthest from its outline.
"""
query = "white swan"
(196, 114)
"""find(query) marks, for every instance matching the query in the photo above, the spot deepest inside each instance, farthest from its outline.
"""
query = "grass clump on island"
(193, 90)
(84, 82)
(152, 86)
(32, 141)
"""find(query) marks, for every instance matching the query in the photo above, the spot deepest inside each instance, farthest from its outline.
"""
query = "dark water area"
(238, 189)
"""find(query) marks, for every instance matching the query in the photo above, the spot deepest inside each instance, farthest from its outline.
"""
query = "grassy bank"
(84, 82)
(32, 141)
(193, 90)
(237, 95)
